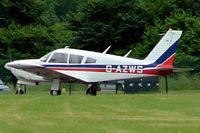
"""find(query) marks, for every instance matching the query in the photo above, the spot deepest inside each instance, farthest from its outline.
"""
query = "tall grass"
(182, 81)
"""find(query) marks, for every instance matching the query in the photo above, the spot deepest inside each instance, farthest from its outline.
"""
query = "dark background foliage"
(30, 29)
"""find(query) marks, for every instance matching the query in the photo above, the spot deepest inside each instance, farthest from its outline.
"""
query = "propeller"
(14, 79)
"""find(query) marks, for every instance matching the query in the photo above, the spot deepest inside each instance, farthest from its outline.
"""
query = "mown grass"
(157, 112)
(178, 111)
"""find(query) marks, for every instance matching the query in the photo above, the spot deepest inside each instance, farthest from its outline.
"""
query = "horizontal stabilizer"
(178, 70)
(166, 71)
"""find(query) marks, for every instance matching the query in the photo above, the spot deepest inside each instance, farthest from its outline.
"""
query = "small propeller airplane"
(73, 65)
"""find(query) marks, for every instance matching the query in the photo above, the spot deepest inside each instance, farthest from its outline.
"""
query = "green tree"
(31, 41)
(158, 9)
(64, 7)
(48, 17)
(100, 23)
(4, 17)
(23, 12)
(190, 42)
(189, 6)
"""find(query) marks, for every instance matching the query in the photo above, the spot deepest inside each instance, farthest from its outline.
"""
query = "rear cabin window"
(76, 59)
(59, 58)
(90, 60)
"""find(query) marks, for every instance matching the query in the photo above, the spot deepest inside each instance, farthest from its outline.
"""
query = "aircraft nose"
(14, 64)
(8, 65)
(20, 64)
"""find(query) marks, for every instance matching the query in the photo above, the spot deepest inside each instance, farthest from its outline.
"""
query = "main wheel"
(94, 92)
(91, 91)
(20, 92)
(88, 92)
(55, 92)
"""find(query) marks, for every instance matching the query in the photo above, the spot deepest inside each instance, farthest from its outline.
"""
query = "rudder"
(163, 53)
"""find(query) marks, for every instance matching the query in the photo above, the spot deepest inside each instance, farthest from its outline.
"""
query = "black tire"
(20, 92)
(91, 91)
(55, 92)
(58, 92)
(94, 92)
(88, 92)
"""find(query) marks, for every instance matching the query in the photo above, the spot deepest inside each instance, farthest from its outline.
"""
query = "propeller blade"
(14, 81)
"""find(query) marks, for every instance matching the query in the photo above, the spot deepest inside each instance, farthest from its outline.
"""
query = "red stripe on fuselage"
(168, 63)
(158, 71)
(145, 71)
(80, 69)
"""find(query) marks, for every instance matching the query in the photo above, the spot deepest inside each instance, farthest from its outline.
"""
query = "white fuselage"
(106, 67)
(85, 66)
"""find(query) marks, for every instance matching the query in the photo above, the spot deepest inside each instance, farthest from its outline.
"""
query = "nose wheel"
(55, 87)
(55, 92)
(21, 89)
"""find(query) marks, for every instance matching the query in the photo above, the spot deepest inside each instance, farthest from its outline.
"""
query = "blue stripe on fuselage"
(169, 52)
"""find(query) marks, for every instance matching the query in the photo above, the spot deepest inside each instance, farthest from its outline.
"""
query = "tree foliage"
(22, 12)
(190, 41)
(100, 23)
(30, 29)
(31, 41)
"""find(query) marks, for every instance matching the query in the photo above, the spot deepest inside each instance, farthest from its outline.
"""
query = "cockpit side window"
(90, 60)
(76, 59)
(45, 57)
(59, 58)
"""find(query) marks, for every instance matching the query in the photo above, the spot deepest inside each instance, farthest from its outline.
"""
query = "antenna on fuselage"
(105, 51)
(127, 54)
(66, 47)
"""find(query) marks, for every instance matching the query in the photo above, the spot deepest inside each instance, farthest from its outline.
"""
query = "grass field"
(176, 112)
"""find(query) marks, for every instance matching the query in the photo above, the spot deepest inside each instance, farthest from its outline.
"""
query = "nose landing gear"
(55, 87)
(21, 89)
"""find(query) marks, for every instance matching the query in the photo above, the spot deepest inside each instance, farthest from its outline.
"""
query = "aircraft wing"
(51, 74)
(41, 70)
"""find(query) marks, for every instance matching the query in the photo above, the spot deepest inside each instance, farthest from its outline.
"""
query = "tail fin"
(163, 53)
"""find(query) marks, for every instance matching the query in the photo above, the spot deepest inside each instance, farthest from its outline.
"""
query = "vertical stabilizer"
(164, 52)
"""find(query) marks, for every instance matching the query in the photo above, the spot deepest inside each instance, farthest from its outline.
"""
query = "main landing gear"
(92, 90)
(55, 87)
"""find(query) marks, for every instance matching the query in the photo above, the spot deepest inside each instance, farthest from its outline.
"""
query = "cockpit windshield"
(45, 57)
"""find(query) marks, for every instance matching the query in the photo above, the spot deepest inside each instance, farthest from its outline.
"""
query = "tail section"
(164, 52)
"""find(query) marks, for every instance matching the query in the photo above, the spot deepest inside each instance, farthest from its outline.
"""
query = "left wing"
(51, 74)
(40, 70)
